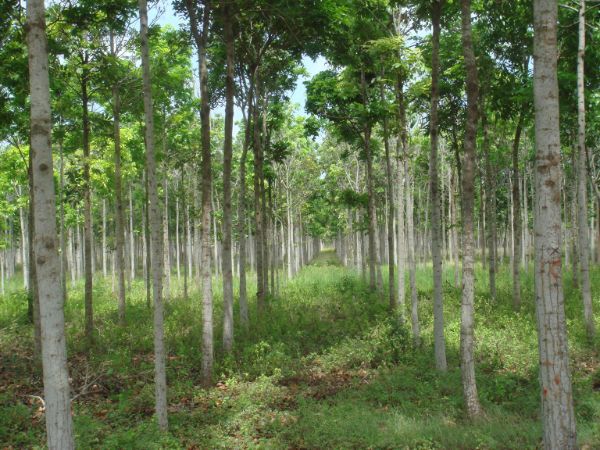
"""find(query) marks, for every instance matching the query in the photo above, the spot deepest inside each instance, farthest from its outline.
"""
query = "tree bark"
(516, 200)
(467, 328)
(582, 205)
(227, 155)
(438, 304)
(59, 424)
(558, 418)
(490, 205)
(201, 39)
(155, 222)
(87, 205)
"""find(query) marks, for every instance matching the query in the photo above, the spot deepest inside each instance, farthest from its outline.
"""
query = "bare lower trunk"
(227, 155)
(467, 328)
(87, 211)
(59, 424)
(438, 305)
(410, 253)
(155, 219)
(582, 205)
(558, 418)
(490, 206)
(516, 222)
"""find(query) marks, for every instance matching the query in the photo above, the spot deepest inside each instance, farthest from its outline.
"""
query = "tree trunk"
(582, 205)
(241, 219)
(490, 204)
(558, 418)
(59, 424)
(516, 222)
(438, 304)
(87, 206)
(410, 253)
(201, 40)
(155, 219)
(396, 308)
(467, 329)
(227, 155)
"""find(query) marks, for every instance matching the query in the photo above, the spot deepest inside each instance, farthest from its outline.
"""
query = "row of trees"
(403, 170)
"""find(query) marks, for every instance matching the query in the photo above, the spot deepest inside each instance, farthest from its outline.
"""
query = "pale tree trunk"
(243, 296)
(177, 241)
(201, 39)
(516, 222)
(59, 424)
(558, 418)
(410, 253)
(155, 222)
(104, 267)
(24, 247)
(166, 247)
(467, 328)
(63, 243)
(490, 205)
(259, 218)
(438, 304)
(583, 231)
(131, 237)
(396, 308)
(227, 155)
(34, 297)
(372, 218)
(402, 156)
(87, 207)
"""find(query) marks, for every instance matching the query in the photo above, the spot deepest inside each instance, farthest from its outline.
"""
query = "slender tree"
(438, 304)
(155, 223)
(558, 418)
(59, 424)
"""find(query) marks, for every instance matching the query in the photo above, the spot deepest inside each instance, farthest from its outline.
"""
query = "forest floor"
(324, 368)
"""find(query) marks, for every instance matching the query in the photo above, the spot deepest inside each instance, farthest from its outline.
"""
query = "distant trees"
(411, 138)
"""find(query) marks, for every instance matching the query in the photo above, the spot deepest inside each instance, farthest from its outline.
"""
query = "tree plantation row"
(441, 133)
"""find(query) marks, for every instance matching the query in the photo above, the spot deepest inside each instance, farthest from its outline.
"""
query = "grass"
(325, 368)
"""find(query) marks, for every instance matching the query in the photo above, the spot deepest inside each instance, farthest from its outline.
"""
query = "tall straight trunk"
(149, 249)
(201, 39)
(155, 221)
(372, 219)
(131, 237)
(227, 155)
(410, 253)
(456, 256)
(401, 156)
(104, 266)
(396, 308)
(558, 417)
(62, 238)
(25, 242)
(258, 210)
(243, 296)
(490, 204)
(467, 328)
(34, 293)
(166, 246)
(87, 205)
(516, 222)
(59, 424)
(582, 205)
(177, 240)
(438, 303)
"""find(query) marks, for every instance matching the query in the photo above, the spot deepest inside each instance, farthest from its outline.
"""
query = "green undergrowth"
(324, 367)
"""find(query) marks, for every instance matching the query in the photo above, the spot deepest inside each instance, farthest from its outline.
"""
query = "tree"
(467, 328)
(558, 418)
(582, 178)
(155, 219)
(59, 425)
(438, 304)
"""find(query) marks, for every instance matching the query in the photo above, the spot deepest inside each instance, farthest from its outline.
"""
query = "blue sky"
(163, 14)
